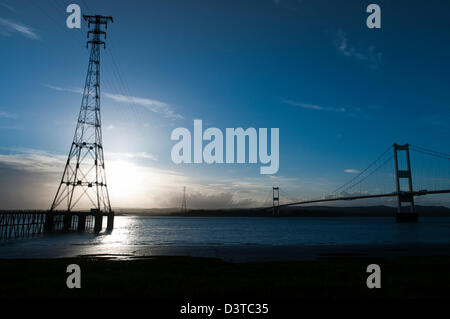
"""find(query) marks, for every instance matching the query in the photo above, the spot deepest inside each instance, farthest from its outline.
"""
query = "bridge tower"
(275, 201)
(83, 183)
(405, 213)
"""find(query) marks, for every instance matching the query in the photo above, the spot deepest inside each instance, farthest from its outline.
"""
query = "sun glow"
(123, 179)
(134, 186)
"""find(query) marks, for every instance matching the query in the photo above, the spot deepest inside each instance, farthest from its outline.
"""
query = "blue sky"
(339, 92)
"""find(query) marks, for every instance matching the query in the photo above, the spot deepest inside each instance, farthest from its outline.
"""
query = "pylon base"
(110, 223)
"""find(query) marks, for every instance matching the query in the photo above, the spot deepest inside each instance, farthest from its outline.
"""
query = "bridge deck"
(393, 194)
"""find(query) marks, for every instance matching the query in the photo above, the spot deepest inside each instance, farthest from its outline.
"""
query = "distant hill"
(309, 211)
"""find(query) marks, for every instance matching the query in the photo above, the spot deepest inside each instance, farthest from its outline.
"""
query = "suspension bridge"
(390, 175)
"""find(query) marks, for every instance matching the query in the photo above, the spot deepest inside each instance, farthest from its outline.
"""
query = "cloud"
(288, 4)
(204, 195)
(138, 155)
(134, 181)
(369, 55)
(151, 105)
(7, 27)
(352, 171)
(32, 160)
(11, 127)
(313, 107)
(45, 162)
(7, 115)
(227, 192)
(199, 200)
(30, 179)
(2, 4)
(57, 88)
(344, 194)
(437, 120)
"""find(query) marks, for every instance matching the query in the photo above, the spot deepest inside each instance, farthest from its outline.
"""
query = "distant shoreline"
(294, 211)
(311, 211)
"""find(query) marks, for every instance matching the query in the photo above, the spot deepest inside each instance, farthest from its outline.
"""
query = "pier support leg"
(67, 221)
(98, 223)
(81, 222)
(110, 223)
(48, 225)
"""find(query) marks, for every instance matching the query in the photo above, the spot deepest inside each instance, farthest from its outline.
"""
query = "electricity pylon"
(83, 183)
(183, 202)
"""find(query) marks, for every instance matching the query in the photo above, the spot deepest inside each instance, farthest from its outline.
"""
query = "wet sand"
(262, 253)
(233, 253)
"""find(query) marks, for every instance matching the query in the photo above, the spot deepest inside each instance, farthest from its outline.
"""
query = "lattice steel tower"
(83, 183)
(183, 202)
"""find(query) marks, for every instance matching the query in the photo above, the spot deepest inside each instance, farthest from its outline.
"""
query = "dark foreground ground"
(191, 278)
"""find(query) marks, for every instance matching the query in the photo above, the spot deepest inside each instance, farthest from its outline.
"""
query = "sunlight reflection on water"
(133, 233)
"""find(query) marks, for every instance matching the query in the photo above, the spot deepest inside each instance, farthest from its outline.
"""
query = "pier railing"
(19, 224)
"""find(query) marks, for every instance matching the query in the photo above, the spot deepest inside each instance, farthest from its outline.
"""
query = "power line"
(115, 82)
(362, 172)
(430, 152)
(370, 174)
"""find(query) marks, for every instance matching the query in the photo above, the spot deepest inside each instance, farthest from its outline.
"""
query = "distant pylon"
(83, 183)
(183, 202)
(275, 201)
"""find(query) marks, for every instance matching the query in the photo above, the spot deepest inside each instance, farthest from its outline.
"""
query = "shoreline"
(233, 253)
(283, 253)
(300, 212)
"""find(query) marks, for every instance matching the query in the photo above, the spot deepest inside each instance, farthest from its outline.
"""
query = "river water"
(235, 237)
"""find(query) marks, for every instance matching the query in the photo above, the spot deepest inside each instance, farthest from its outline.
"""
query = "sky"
(339, 92)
